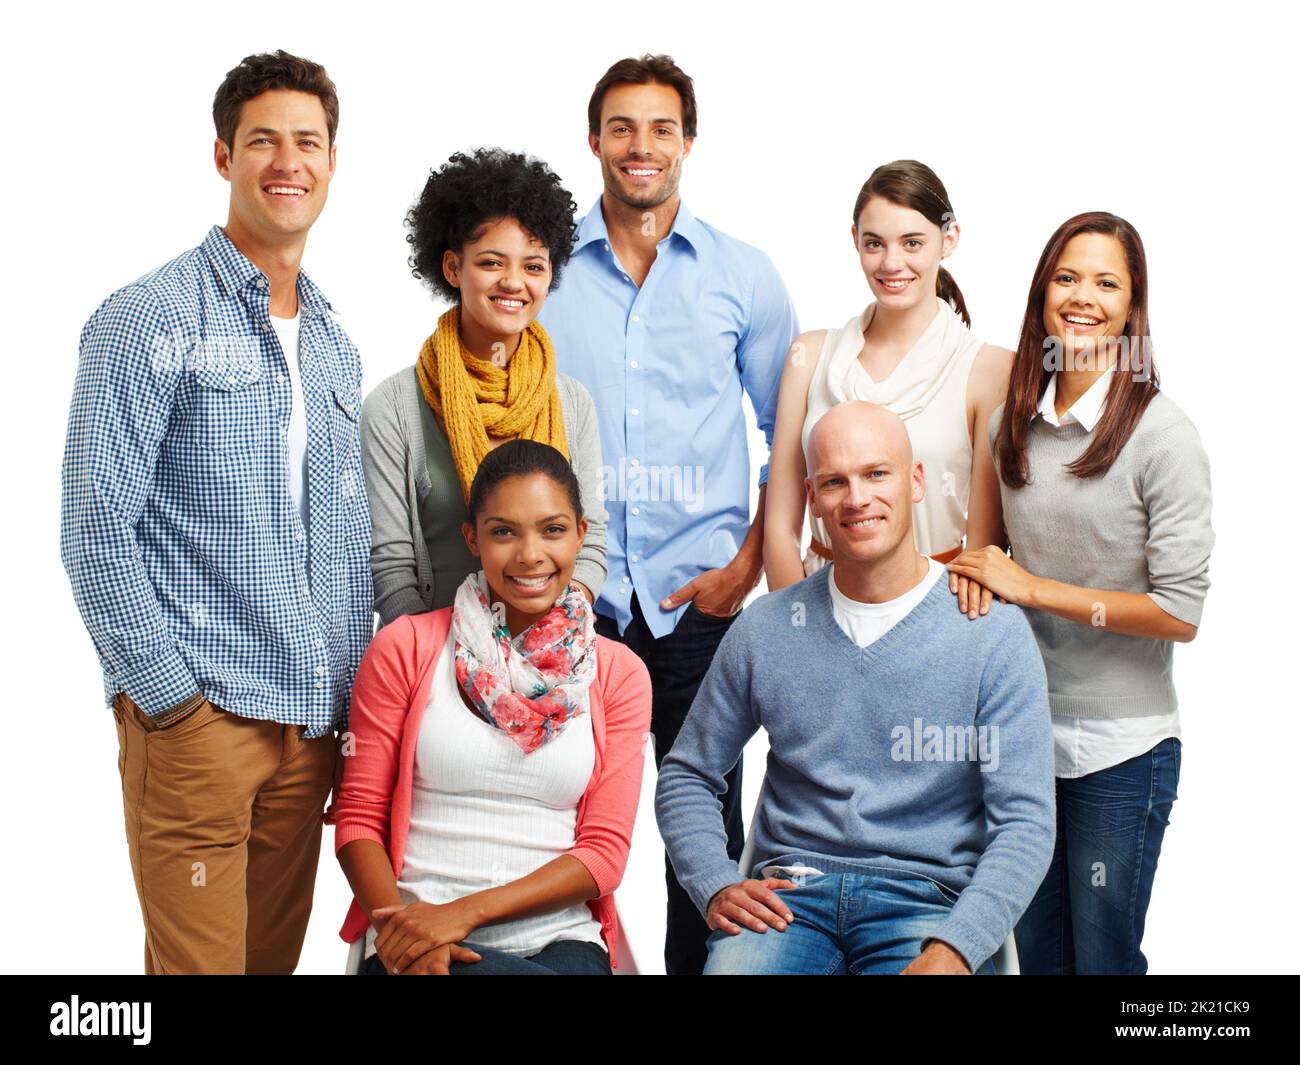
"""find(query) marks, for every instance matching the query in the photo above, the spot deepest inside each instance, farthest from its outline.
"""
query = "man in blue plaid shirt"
(216, 532)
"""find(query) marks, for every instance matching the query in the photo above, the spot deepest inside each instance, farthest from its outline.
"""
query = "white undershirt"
(287, 330)
(865, 623)
(1090, 744)
(483, 813)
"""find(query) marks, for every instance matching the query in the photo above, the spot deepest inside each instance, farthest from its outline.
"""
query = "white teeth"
(1075, 319)
(864, 521)
(530, 582)
(642, 173)
(507, 302)
(282, 190)
(897, 284)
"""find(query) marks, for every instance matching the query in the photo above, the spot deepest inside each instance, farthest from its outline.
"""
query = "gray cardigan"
(397, 479)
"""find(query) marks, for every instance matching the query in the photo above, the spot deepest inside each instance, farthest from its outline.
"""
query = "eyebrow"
(276, 132)
(540, 521)
(653, 121)
(905, 236)
(1072, 270)
(877, 464)
(506, 255)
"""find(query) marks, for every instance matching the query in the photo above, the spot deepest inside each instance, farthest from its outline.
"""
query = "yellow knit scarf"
(476, 398)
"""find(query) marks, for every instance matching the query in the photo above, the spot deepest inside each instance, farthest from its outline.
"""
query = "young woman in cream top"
(912, 353)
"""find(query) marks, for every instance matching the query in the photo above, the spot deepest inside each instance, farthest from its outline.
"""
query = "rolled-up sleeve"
(603, 834)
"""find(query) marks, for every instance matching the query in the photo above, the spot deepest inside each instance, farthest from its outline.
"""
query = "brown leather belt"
(819, 548)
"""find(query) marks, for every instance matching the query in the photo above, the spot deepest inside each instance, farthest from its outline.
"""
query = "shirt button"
(607, 247)
(320, 684)
(636, 318)
(266, 327)
(319, 642)
(261, 282)
(636, 510)
(634, 412)
(320, 670)
(634, 559)
(279, 379)
(636, 462)
(632, 364)
(300, 536)
(627, 580)
(230, 380)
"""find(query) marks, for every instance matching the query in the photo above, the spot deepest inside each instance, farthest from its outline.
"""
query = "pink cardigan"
(388, 701)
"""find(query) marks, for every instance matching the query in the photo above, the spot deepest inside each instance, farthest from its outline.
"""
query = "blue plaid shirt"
(188, 558)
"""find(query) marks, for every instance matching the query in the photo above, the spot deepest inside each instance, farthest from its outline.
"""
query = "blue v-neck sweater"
(927, 753)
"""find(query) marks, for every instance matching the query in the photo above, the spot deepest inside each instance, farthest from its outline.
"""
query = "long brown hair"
(1128, 393)
(911, 184)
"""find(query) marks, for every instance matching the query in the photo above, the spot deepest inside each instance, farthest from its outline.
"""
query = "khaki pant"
(223, 821)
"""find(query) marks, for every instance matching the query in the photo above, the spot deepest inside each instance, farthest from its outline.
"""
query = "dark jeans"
(564, 957)
(1090, 910)
(677, 664)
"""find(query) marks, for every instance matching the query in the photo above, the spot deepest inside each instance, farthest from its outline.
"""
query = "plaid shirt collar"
(235, 273)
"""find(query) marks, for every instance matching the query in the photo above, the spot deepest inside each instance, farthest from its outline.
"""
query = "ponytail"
(948, 291)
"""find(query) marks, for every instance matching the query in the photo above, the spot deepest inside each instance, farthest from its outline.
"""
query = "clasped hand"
(421, 938)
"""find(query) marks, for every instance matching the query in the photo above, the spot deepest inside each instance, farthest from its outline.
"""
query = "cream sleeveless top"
(927, 389)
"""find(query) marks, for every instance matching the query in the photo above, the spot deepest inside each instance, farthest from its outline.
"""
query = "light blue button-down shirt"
(666, 364)
(188, 558)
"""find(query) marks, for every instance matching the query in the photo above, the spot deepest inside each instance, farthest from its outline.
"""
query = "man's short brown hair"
(257, 74)
(649, 69)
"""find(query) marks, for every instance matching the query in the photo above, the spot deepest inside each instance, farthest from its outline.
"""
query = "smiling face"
(279, 168)
(900, 251)
(503, 275)
(527, 538)
(1089, 296)
(640, 144)
(862, 481)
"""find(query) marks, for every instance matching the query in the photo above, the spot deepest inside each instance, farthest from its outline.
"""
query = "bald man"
(908, 813)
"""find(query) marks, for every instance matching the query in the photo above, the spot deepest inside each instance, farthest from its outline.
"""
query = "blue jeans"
(564, 957)
(1090, 911)
(843, 924)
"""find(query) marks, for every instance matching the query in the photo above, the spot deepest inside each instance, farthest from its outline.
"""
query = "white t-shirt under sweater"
(865, 623)
(287, 330)
(483, 813)
(1084, 744)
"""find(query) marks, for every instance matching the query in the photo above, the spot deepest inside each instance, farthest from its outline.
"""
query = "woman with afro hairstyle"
(490, 233)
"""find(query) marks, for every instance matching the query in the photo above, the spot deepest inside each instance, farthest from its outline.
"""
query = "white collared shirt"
(1090, 744)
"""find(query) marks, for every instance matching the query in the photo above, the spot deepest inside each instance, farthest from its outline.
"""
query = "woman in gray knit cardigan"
(1106, 503)
(490, 233)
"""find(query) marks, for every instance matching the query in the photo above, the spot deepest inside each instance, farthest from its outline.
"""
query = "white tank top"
(483, 813)
(927, 389)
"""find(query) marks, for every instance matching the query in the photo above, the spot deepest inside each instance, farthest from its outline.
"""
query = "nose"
(860, 493)
(640, 145)
(529, 552)
(286, 158)
(511, 279)
(893, 263)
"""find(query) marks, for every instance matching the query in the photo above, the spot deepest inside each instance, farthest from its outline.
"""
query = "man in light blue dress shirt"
(668, 323)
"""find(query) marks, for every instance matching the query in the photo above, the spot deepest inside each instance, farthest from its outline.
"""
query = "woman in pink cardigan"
(486, 806)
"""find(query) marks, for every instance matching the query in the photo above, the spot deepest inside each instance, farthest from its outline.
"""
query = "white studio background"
(1173, 117)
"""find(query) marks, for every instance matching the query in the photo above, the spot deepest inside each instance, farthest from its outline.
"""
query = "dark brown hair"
(911, 184)
(257, 74)
(1128, 394)
(648, 70)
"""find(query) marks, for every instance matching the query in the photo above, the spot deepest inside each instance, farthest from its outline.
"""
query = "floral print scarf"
(530, 686)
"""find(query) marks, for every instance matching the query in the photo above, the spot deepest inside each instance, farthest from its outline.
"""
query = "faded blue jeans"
(844, 924)
(1090, 911)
